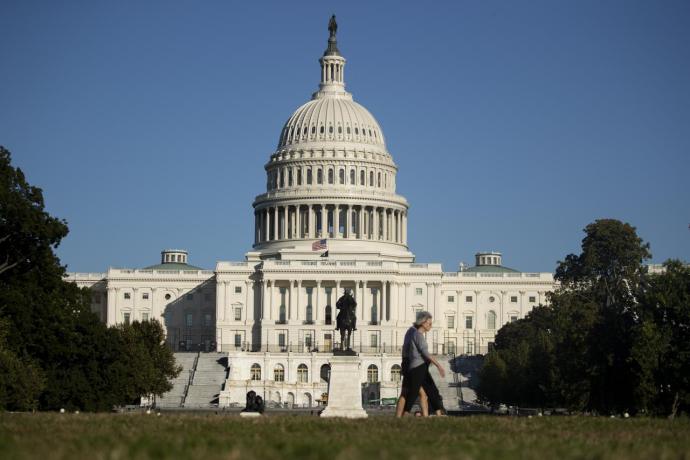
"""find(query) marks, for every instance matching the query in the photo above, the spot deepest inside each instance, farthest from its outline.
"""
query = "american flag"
(319, 245)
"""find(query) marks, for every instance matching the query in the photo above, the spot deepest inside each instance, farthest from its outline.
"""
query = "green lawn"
(140, 436)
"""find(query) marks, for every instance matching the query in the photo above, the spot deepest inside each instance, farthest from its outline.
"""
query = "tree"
(49, 333)
(21, 381)
(663, 339)
(28, 233)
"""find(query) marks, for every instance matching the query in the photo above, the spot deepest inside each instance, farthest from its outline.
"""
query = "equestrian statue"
(346, 321)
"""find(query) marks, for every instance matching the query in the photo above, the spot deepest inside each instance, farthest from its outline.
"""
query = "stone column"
(269, 288)
(404, 228)
(384, 220)
(316, 307)
(276, 222)
(112, 306)
(375, 229)
(324, 221)
(268, 224)
(249, 303)
(220, 301)
(336, 221)
(299, 221)
(382, 301)
(298, 304)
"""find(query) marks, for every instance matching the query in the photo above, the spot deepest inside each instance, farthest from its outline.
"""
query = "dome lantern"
(332, 66)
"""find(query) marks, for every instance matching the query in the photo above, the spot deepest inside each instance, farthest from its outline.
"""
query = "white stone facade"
(330, 178)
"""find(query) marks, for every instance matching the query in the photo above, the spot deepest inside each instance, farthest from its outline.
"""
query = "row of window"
(303, 373)
(469, 298)
(145, 295)
(296, 132)
(280, 177)
(127, 317)
(469, 321)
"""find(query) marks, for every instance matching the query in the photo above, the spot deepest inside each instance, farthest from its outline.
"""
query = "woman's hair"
(422, 316)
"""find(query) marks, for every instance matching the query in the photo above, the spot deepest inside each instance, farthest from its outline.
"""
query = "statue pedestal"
(344, 389)
(250, 414)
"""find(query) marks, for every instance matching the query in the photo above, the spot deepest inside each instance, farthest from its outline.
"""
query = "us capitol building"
(273, 315)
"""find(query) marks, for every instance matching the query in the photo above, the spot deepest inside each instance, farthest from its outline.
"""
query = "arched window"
(304, 130)
(362, 177)
(321, 130)
(279, 373)
(395, 373)
(372, 374)
(340, 129)
(290, 177)
(319, 176)
(341, 176)
(371, 178)
(299, 176)
(313, 129)
(379, 181)
(491, 320)
(352, 177)
(348, 130)
(330, 175)
(329, 314)
(282, 178)
(356, 131)
(302, 373)
(325, 373)
(308, 176)
(330, 130)
(256, 372)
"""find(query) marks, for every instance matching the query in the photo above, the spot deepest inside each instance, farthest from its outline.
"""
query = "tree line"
(612, 339)
(54, 351)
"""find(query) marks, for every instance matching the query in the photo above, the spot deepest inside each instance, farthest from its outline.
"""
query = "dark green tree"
(662, 345)
(50, 334)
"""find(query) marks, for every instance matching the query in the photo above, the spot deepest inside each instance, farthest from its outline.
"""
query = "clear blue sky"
(514, 124)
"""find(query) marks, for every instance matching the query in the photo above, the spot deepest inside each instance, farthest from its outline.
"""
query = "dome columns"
(346, 221)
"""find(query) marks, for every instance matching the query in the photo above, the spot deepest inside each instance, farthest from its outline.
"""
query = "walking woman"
(415, 369)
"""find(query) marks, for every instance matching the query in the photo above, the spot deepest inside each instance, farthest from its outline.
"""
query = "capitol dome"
(333, 118)
(331, 179)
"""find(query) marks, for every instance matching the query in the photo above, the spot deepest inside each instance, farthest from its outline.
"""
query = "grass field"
(140, 436)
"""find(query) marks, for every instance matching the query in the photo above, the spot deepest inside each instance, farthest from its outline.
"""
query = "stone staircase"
(448, 387)
(467, 369)
(175, 397)
(208, 380)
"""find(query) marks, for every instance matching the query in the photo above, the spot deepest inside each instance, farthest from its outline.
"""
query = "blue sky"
(514, 124)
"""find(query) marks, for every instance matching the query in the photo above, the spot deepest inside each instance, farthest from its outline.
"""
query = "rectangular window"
(190, 296)
(418, 291)
(451, 322)
(468, 322)
(513, 319)
(126, 316)
(513, 298)
(308, 341)
(469, 346)
(238, 340)
(468, 298)
(374, 341)
(238, 313)
(238, 289)
(451, 298)
(127, 296)
(532, 299)
(189, 320)
(207, 320)
(144, 316)
(281, 339)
